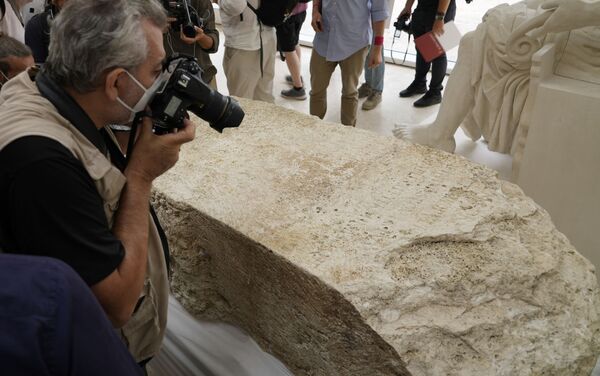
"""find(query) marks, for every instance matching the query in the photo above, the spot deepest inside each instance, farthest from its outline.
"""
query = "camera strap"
(253, 9)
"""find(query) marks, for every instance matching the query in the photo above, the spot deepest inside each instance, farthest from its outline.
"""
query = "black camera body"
(402, 24)
(185, 16)
(183, 89)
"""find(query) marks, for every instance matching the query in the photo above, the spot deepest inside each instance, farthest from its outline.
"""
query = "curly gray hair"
(90, 37)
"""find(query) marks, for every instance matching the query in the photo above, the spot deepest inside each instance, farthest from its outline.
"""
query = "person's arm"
(317, 19)
(210, 30)
(379, 14)
(375, 56)
(207, 37)
(407, 8)
(232, 7)
(438, 24)
(153, 155)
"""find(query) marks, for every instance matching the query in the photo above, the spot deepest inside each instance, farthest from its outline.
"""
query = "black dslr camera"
(186, 17)
(402, 24)
(183, 89)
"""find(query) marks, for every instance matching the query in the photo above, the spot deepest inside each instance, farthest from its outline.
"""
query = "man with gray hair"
(64, 189)
(15, 57)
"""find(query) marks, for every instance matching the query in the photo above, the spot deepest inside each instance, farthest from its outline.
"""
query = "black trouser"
(422, 22)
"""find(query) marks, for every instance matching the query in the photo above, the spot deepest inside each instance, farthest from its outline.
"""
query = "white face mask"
(144, 99)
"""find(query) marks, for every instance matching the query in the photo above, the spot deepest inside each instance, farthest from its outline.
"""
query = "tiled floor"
(381, 119)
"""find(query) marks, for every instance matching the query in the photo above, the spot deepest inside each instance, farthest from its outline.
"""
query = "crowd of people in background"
(251, 48)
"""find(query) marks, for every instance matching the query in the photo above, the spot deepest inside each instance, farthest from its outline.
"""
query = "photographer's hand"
(202, 39)
(153, 155)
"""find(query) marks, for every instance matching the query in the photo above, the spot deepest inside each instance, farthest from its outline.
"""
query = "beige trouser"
(242, 69)
(213, 83)
(320, 74)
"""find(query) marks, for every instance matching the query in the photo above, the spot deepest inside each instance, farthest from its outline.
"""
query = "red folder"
(429, 47)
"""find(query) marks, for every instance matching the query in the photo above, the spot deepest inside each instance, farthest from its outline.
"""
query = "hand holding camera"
(183, 17)
(402, 23)
(198, 38)
(154, 154)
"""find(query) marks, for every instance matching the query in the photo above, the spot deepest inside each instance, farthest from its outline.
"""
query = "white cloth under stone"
(199, 348)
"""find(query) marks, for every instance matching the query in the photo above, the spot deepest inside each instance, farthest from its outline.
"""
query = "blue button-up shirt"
(347, 26)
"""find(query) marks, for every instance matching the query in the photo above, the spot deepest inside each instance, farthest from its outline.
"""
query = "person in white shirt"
(250, 47)
(11, 21)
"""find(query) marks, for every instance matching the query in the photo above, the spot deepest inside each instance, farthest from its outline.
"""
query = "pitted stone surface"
(346, 253)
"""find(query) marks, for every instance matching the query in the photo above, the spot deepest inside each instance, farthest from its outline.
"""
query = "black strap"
(163, 239)
(2, 9)
(262, 73)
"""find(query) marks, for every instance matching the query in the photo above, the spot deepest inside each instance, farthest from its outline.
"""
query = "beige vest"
(24, 112)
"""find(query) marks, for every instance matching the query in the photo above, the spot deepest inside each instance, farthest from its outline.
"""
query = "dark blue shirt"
(37, 36)
(51, 324)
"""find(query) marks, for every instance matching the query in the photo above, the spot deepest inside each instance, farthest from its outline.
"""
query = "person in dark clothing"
(429, 15)
(37, 31)
(288, 36)
(52, 324)
(206, 41)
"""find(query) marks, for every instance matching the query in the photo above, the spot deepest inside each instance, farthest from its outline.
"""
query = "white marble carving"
(346, 253)
(488, 93)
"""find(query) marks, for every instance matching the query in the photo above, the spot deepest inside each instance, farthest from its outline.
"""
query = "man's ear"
(112, 83)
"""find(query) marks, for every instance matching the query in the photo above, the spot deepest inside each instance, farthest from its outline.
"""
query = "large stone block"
(346, 253)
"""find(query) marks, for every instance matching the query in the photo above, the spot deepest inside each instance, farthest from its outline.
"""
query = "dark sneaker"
(429, 99)
(372, 102)
(290, 81)
(293, 93)
(413, 89)
(364, 90)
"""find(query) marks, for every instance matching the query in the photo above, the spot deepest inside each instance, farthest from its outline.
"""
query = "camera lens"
(220, 111)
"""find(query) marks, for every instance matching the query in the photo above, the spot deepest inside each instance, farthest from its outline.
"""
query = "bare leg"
(457, 101)
(292, 60)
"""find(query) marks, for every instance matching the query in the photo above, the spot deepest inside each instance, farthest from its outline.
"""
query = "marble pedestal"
(561, 160)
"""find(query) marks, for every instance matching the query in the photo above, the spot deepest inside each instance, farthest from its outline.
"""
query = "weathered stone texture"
(346, 253)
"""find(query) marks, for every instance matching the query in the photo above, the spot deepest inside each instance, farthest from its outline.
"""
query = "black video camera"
(402, 24)
(186, 17)
(183, 89)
